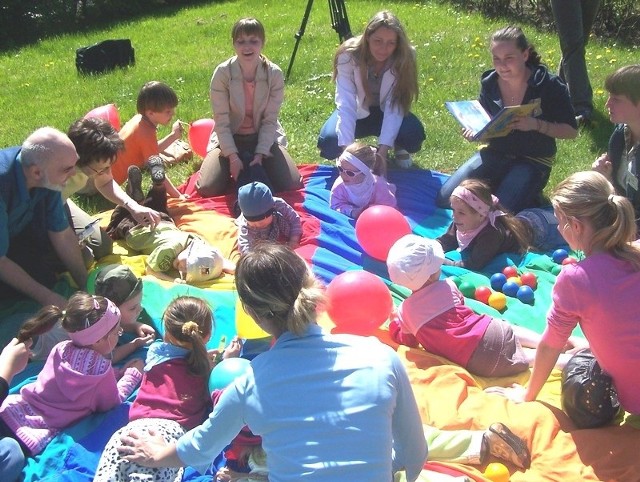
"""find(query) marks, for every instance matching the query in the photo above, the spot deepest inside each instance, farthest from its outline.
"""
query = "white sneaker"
(403, 158)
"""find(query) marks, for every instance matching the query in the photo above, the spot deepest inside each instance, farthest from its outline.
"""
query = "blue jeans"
(544, 228)
(410, 136)
(574, 19)
(517, 182)
(11, 460)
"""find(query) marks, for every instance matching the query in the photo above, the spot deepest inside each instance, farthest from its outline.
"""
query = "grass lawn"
(183, 46)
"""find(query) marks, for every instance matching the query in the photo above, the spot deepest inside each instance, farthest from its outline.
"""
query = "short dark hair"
(625, 81)
(95, 140)
(155, 96)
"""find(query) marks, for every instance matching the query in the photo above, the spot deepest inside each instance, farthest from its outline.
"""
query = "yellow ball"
(516, 280)
(497, 300)
(245, 326)
(496, 472)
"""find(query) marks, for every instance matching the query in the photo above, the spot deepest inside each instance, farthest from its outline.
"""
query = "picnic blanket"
(448, 396)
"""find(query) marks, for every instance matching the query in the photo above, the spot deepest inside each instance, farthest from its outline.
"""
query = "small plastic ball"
(516, 280)
(510, 289)
(456, 280)
(497, 472)
(510, 271)
(482, 294)
(467, 288)
(498, 301)
(529, 279)
(556, 269)
(569, 260)
(559, 254)
(525, 294)
(497, 281)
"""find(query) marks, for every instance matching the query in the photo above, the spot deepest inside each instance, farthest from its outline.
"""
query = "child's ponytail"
(41, 323)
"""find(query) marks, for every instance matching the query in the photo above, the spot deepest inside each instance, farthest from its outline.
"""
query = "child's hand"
(603, 165)
(183, 197)
(177, 130)
(180, 281)
(143, 340)
(515, 392)
(233, 349)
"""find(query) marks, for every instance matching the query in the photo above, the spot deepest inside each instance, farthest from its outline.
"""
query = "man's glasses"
(348, 172)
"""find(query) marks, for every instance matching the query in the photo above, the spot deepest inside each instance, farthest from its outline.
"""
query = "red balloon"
(107, 112)
(358, 302)
(378, 227)
(199, 134)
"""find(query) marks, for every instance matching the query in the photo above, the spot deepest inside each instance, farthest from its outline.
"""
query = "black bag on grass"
(104, 56)
(588, 395)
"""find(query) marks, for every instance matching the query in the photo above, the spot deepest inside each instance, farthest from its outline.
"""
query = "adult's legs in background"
(574, 19)
(282, 170)
(99, 242)
(411, 134)
(328, 138)
(215, 174)
(522, 186)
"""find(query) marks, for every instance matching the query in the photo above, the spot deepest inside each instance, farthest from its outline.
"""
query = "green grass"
(182, 47)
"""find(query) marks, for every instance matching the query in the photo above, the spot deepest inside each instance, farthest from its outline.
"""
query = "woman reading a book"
(517, 165)
(376, 83)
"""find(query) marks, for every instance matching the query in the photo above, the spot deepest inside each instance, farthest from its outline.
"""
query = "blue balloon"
(497, 281)
(510, 288)
(559, 255)
(225, 372)
(525, 294)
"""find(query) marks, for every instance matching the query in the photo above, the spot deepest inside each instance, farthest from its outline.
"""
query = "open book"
(472, 116)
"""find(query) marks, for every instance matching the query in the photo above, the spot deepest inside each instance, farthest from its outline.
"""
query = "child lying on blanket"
(77, 378)
(173, 396)
(265, 218)
(357, 188)
(435, 316)
(169, 248)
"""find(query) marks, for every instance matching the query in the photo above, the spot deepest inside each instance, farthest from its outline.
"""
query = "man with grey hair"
(33, 223)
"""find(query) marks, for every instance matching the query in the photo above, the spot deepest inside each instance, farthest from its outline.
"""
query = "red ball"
(358, 302)
(107, 112)
(510, 272)
(378, 227)
(569, 260)
(529, 279)
(482, 294)
(199, 134)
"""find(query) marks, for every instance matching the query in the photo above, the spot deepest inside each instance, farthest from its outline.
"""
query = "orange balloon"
(497, 472)
(199, 134)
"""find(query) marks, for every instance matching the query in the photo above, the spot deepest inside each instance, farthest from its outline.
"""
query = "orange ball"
(497, 472)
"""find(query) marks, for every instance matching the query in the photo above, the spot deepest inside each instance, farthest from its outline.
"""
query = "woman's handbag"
(588, 394)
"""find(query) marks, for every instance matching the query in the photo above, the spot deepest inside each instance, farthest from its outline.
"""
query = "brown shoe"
(506, 445)
(134, 184)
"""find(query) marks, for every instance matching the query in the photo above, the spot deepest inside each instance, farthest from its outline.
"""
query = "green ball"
(556, 269)
(468, 289)
(456, 280)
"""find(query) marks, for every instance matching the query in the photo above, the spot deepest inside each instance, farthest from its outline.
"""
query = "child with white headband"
(481, 230)
(77, 378)
(357, 187)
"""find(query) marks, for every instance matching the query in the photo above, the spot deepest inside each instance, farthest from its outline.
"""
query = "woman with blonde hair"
(376, 83)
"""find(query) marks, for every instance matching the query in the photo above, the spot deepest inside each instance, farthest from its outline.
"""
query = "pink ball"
(358, 302)
(378, 227)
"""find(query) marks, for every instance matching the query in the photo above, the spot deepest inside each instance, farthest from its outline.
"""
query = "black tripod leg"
(339, 20)
(299, 34)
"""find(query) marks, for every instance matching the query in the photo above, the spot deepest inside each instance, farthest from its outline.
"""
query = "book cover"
(471, 115)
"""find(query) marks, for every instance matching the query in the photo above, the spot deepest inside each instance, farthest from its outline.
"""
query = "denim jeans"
(517, 182)
(410, 135)
(574, 19)
(11, 460)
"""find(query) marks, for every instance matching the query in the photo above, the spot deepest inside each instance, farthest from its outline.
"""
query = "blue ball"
(559, 254)
(525, 294)
(225, 372)
(510, 288)
(497, 281)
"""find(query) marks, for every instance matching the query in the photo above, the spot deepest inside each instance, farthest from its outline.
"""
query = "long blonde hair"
(405, 91)
(589, 197)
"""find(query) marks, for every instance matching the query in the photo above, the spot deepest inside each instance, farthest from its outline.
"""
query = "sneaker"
(506, 445)
(403, 158)
(156, 168)
(134, 184)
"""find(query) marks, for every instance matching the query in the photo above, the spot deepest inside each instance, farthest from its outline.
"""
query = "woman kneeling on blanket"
(308, 386)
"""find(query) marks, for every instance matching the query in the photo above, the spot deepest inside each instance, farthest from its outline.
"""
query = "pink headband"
(478, 204)
(94, 333)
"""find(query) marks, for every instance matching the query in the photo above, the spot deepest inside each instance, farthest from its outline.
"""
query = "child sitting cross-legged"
(173, 254)
(358, 187)
(435, 316)
(265, 218)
